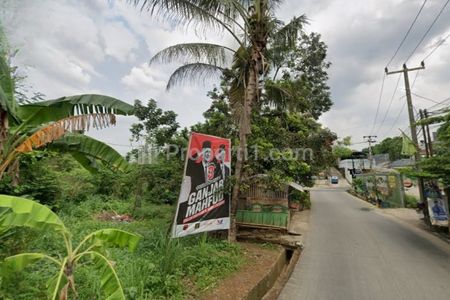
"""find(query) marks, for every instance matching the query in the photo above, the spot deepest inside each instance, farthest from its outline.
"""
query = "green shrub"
(90, 252)
(159, 268)
(297, 196)
(37, 179)
(410, 201)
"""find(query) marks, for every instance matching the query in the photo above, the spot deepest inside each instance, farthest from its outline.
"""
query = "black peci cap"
(206, 144)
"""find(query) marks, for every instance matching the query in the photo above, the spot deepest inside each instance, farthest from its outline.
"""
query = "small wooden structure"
(260, 207)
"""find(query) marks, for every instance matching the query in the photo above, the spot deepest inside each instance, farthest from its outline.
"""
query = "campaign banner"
(203, 205)
(438, 209)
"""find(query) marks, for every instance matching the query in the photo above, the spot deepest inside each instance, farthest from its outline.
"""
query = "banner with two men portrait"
(203, 204)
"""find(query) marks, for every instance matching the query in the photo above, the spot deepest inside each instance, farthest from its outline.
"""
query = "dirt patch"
(258, 260)
(113, 216)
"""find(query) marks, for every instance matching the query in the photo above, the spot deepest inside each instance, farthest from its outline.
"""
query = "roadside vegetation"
(158, 268)
(271, 94)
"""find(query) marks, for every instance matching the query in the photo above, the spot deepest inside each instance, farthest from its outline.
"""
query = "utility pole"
(412, 124)
(370, 141)
(425, 137)
(430, 140)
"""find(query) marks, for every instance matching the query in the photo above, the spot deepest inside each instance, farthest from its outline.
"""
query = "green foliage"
(277, 143)
(341, 148)
(37, 180)
(155, 127)
(359, 186)
(297, 196)
(87, 151)
(51, 179)
(391, 146)
(438, 166)
(411, 201)
(342, 152)
(159, 268)
(37, 124)
(20, 212)
(304, 75)
(38, 113)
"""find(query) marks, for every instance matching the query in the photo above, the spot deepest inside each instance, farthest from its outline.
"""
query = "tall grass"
(160, 268)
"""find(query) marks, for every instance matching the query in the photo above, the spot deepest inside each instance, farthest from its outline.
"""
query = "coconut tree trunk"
(236, 187)
(251, 91)
(258, 38)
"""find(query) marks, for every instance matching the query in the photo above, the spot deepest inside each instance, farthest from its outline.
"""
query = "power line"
(363, 142)
(390, 102)
(428, 30)
(441, 42)
(397, 118)
(379, 101)
(426, 98)
(407, 33)
(439, 103)
(415, 78)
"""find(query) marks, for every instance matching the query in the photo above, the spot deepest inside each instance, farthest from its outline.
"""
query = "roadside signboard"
(437, 207)
(202, 204)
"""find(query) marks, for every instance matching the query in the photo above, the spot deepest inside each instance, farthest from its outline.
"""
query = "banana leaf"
(84, 149)
(19, 262)
(52, 110)
(113, 237)
(21, 212)
(109, 281)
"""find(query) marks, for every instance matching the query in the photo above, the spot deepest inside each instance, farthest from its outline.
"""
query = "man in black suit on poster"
(203, 171)
(223, 170)
(199, 173)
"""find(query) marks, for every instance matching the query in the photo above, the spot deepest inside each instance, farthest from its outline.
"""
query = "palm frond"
(187, 11)
(56, 130)
(276, 94)
(210, 53)
(287, 35)
(220, 14)
(194, 73)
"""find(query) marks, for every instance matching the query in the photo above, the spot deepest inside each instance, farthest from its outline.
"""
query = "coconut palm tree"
(57, 124)
(252, 26)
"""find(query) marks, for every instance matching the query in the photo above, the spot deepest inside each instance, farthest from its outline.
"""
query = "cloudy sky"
(98, 46)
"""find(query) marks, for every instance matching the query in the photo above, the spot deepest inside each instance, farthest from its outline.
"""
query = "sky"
(69, 47)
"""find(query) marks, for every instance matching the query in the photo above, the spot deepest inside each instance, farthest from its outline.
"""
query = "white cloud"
(69, 46)
(119, 41)
(142, 78)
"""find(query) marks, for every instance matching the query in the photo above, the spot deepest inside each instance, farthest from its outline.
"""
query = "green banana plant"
(30, 126)
(21, 212)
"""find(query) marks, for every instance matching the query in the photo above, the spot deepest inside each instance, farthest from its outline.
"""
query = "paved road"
(354, 252)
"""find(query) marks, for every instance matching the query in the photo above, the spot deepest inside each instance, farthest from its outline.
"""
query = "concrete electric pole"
(412, 125)
(370, 141)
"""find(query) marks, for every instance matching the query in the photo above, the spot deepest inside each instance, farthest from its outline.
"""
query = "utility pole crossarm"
(422, 67)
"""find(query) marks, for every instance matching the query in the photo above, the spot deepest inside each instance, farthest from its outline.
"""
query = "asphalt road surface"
(354, 252)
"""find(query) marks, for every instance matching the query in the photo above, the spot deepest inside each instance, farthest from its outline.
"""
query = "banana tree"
(25, 127)
(252, 26)
(91, 251)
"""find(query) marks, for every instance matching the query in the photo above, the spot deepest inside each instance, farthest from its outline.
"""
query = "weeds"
(160, 268)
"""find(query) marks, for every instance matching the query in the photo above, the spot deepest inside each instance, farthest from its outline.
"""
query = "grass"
(160, 268)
